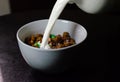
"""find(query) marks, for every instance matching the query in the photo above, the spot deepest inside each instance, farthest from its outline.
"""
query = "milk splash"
(57, 10)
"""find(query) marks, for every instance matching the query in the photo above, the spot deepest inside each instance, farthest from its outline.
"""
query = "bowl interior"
(76, 31)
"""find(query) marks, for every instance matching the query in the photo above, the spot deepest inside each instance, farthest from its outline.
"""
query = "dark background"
(23, 5)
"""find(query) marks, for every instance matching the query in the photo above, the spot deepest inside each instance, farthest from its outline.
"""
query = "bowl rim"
(41, 49)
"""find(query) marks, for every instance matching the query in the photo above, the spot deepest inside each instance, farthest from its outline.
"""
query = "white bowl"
(49, 60)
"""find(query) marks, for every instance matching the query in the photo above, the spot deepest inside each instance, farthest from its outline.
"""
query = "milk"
(89, 6)
(57, 10)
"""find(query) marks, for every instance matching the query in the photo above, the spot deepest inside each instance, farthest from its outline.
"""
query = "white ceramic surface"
(49, 59)
(94, 6)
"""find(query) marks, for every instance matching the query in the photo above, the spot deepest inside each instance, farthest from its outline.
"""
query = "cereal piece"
(66, 43)
(52, 36)
(39, 37)
(59, 45)
(69, 42)
(57, 39)
(72, 41)
(31, 40)
(66, 35)
(37, 44)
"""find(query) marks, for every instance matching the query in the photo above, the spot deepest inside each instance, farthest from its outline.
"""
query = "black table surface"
(98, 60)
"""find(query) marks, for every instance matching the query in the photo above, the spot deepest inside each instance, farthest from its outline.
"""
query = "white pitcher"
(97, 6)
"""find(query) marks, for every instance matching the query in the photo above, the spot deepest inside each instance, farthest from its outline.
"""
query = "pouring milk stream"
(57, 9)
(89, 6)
